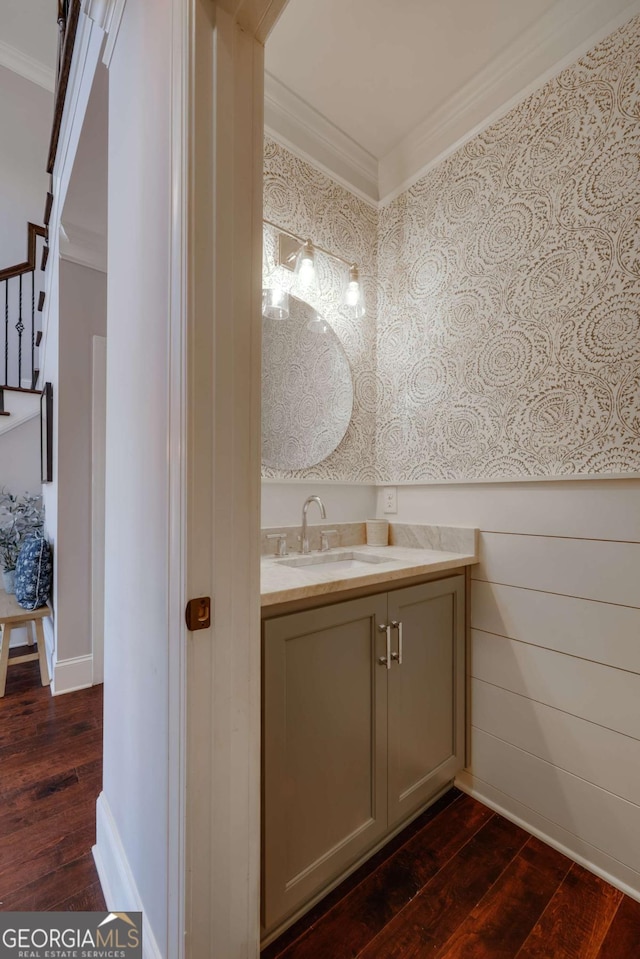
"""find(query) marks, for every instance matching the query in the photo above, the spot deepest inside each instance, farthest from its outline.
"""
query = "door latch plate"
(198, 613)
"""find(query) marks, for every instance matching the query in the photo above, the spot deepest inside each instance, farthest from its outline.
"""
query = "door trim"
(223, 357)
(98, 450)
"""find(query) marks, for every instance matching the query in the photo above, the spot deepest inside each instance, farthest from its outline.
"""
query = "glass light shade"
(305, 270)
(354, 297)
(275, 303)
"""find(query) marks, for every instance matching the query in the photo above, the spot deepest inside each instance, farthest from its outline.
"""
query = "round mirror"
(307, 391)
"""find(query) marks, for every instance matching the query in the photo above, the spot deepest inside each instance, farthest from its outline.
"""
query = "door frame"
(98, 451)
(223, 266)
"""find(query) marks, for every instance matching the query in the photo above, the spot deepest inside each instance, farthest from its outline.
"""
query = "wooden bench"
(11, 617)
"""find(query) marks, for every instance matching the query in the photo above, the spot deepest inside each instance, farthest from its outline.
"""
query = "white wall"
(133, 807)
(77, 311)
(555, 659)
(82, 314)
(26, 112)
(85, 204)
(20, 456)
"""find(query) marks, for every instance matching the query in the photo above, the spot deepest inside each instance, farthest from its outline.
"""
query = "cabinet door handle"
(395, 624)
(386, 660)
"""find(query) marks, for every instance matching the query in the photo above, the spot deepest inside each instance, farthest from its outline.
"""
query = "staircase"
(21, 303)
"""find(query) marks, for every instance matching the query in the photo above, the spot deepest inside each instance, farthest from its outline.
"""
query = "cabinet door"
(324, 748)
(426, 693)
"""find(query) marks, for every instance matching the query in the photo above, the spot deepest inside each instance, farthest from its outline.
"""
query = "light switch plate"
(390, 499)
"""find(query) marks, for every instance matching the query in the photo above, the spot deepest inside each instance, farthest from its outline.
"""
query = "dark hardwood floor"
(460, 882)
(463, 883)
(50, 778)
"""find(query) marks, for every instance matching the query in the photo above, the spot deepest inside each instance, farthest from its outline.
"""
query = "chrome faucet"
(304, 539)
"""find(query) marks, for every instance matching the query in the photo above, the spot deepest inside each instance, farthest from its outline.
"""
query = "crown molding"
(574, 25)
(488, 96)
(25, 66)
(106, 14)
(84, 247)
(295, 124)
(317, 164)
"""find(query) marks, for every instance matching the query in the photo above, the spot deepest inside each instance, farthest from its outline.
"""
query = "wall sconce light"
(354, 297)
(305, 269)
(297, 254)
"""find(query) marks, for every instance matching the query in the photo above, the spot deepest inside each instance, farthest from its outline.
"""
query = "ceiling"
(28, 41)
(375, 90)
(377, 68)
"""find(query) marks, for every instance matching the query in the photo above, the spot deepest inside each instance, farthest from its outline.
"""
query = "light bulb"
(354, 297)
(307, 271)
(353, 293)
(275, 303)
(305, 265)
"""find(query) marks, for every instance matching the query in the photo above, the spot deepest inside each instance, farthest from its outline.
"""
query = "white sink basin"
(337, 560)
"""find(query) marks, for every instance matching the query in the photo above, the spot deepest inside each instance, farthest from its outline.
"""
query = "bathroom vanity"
(363, 708)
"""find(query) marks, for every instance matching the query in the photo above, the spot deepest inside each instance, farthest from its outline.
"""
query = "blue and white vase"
(8, 579)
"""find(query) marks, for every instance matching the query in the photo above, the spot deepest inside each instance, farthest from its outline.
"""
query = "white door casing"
(223, 511)
(98, 449)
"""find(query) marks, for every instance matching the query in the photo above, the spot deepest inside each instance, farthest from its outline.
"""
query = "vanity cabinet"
(363, 724)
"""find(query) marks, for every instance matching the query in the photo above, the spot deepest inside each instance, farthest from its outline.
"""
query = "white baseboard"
(71, 674)
(118, 884)
(67, 675)
(49, 643)
(613, 871)
(18, 637)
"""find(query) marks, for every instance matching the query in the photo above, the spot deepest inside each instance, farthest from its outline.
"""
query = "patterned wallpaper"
(305, 201)
(506, 286)
(509, 305)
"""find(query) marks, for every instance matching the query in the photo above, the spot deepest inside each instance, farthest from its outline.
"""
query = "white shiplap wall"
(554, 659)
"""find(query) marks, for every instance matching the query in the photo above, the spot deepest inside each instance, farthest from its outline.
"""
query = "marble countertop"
(281, 584)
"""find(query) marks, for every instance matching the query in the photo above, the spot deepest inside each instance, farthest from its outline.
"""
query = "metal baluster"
(20, 329)
(6, 332)
(33, 326)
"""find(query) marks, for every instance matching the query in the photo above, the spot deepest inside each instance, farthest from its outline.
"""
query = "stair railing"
(21, 300)
(68, 16)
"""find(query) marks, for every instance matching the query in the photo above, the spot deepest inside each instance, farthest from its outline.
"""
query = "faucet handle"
(324, 539)
(281, 548)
